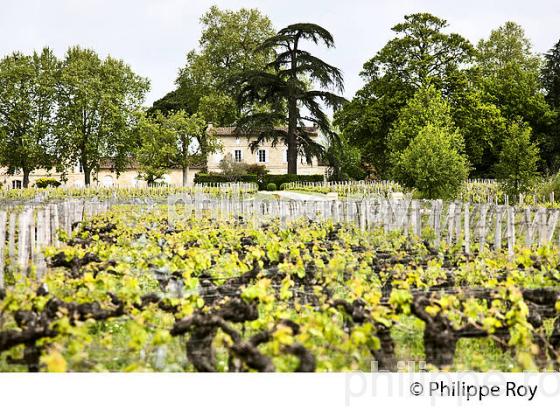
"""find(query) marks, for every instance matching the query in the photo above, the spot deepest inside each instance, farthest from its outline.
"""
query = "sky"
(153, 36)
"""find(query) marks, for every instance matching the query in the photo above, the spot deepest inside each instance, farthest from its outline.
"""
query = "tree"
(97, 101)
(483, 128)
(426, 107)
(517, 166)
(510, 77)
(344, 160)
(420, 54)
(171, 141)
(27, 111)
(550, 76)
(432, 164)
(156, 147)
(551, 81)
(226, 47)
(287, 83)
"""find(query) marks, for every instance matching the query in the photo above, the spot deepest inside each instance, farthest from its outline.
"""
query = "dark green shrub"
(271, 186)
(47, 182)
(285, 178)
(214, 178)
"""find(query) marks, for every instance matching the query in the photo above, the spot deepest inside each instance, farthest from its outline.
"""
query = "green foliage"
(156, 147)
(271, 186)
(47, 182)
(551, 76)
(344, 160)
(129, 292)
(510, 76)
(259, 170)
(171, 141)
(213, 178)
(27, 111)
(278, 180)
(421, 53)
(551, 82)
(517, 166)
(284, 88)
(426, 107)
(483, 128)
(232, 169)
(97, 102)
(227, 46)
(432, 164)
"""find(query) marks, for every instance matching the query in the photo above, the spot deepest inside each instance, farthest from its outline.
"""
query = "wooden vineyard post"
(362, 215)
(498, 231)
(3, 220)
(551, 224)
(528, 227)
(55, 225)
(450, 222)
(511, 230)
(415, 219)
(467, 235)
(458, 225)
(482, 226)
(543, 228)
(437, 207)
(24, 238)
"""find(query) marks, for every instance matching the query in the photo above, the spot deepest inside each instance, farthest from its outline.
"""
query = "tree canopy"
(227, 46)
(27, 112)
(420, 54)
(288, 81)
(97, 99)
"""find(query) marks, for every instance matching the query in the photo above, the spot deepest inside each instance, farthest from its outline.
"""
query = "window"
(237, 155)
(262, 155)
(16, 184)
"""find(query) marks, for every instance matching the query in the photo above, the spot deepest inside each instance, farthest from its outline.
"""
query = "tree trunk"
(185, 175)
(87, 175)
(26, 173)
(292, 139)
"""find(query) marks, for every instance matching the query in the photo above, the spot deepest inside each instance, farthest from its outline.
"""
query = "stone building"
(275, 159)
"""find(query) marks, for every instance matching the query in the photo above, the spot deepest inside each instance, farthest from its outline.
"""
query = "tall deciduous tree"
(432, 164)
(27, 110)
(517, 166)
(420, 54)
(227, 47)
(551, 81)
(97, 102)
(171, 141)
(551, 76)
(425, 120)
(287, 83)
(511, 79)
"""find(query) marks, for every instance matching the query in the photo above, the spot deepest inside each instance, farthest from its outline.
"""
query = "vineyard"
(215, 280)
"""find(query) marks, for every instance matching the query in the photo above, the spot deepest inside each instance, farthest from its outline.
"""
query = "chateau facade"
(275, 159)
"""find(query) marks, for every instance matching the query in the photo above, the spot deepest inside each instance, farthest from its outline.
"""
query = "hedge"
(286, 178)
(278, 180)
(201, 178)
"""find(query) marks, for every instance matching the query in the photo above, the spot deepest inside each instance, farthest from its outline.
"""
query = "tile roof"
(230, 131)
